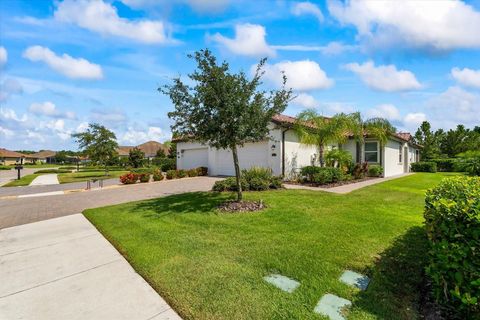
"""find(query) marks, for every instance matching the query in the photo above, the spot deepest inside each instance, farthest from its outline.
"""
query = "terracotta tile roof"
(43, 154)
(4, 153)
(404, 136)
(149, 148)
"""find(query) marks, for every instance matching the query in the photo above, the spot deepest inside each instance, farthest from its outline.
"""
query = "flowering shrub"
(157, 175)
(144, 177)
(129, 178)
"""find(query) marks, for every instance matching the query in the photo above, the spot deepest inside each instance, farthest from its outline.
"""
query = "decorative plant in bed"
(329, 177)
(254, 179)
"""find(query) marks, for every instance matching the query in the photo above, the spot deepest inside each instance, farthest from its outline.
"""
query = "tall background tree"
(428, 140)
(98, 143)
(223, 109)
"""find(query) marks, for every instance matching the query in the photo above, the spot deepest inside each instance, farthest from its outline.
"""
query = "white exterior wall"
(297, 155)
(351, 147)
(391, 165)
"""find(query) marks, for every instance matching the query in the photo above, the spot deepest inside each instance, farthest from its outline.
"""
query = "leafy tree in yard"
(61, 156)
(98, 143)
(160, 153)
(223, 109)
(172, 148)
(135, 157)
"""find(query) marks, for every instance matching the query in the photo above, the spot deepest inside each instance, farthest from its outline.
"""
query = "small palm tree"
(316, 130)
(378, 128)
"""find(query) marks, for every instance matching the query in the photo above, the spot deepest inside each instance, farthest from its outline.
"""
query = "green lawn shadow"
(194, 202)
(398, 272)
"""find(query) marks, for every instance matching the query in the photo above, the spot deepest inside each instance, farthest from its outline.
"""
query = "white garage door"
(251, 155)
(194, 158)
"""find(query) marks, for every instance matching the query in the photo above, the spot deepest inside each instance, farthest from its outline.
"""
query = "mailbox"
(18, 167)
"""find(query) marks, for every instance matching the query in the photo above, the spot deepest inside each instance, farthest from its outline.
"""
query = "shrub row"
(446, 165)
(254, 179)
(68, 168)
(143, 174)
(452, 219)
(375, 171)
(5, 168)
(424, 166)
(52, 171)
(165, 163)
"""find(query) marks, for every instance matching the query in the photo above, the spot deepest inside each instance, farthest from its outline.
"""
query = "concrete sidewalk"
(45, 180)
(64, 268)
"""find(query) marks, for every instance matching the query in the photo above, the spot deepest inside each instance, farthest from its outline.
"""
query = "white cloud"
(437, 25)
(306, 8)
(135, 137)
(305, 100)
(413, 120)
(384, 77)
(6, 132)
(249, 40)
(387, 111)
(204, 6)
(3, 56)
(302, 75)
(332, 48)
(83, 126)
(65, 64)
(50, 110)
(10, 114)
(112, 117)
(101, 17)
(467, 77)
(455, 105)
(8, 88)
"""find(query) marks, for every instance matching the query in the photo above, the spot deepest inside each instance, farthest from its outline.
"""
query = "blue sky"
(65, 64)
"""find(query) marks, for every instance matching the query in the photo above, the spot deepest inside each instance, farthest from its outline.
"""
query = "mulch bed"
(332, 185)
(242, 206)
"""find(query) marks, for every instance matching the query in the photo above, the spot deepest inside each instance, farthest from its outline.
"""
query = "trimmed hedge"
(424, 166)
(52, 171)
(445, 165)
(171, 174)
(67, 168)
(375, 170)
(452, 219)
(157, 175)
(5, 168)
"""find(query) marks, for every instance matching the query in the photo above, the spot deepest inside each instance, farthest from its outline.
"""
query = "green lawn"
(24, 181)
(209, 265)
(42, 165)
(84, 176)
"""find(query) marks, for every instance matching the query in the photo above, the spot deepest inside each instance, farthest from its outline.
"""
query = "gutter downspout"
(283, 152)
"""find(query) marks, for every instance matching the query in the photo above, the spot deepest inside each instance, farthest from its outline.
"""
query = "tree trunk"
(237, 172)
(321, 151)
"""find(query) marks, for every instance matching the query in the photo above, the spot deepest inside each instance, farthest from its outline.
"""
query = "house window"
(371, 151)
(400, 153)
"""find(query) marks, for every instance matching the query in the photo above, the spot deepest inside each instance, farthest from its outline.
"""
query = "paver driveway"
(64, 268)
(25, 210)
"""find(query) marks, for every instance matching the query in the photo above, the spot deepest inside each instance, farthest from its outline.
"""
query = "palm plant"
(378, 128)
(316, 130)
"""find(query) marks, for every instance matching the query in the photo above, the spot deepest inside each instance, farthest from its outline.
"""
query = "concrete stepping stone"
(283, 283)
(355, 279)
(332, 306)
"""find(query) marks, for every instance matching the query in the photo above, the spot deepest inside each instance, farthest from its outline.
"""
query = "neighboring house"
(149, 148)
(8, 157)
(45, 156)
(285, 155)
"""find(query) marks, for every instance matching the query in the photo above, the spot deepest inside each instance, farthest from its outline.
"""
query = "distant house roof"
(43, 154)
(4, 153)
(149, 148)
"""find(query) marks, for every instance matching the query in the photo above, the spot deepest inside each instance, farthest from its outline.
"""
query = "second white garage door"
(251, 155)
(194, 158)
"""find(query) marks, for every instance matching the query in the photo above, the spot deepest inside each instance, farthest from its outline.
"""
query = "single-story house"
(149, 148)
(285, 155)
(44, 156)
(8, 157)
